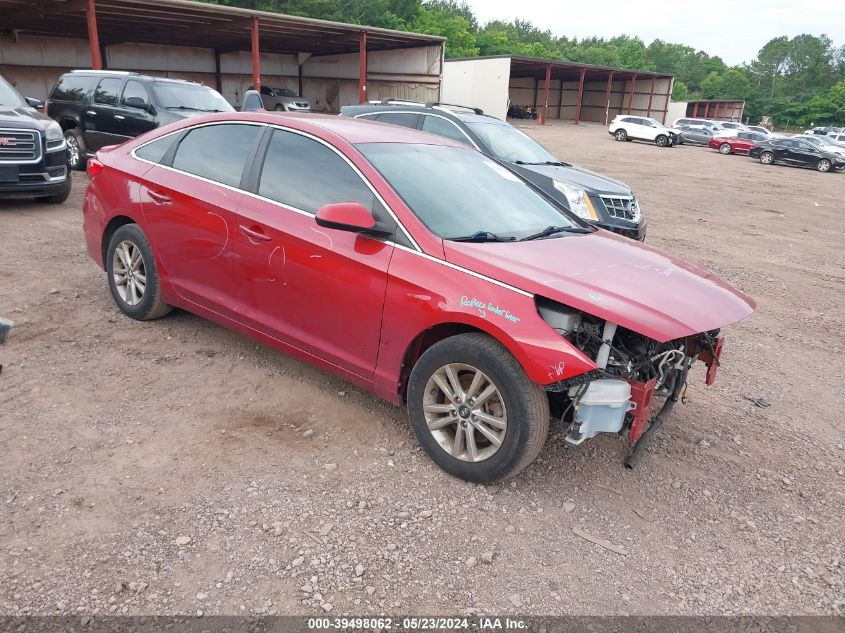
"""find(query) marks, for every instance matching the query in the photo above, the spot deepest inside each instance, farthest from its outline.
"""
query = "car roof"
(354, 131)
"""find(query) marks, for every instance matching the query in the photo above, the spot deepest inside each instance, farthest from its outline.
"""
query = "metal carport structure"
(111, 25)
(557, 88)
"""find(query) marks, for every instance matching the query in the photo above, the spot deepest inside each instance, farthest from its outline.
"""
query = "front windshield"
(8, 95)
(510, 144)
(179, 96)
(458, 192)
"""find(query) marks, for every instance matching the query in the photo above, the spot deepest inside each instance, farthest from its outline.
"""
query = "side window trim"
(420, 122)
(259, 151)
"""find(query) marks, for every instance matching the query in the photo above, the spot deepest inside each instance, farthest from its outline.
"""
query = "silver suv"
(283, 100)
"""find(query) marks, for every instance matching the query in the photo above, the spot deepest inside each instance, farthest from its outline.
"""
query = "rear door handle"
(90, 113)
(158, 198)
(254, 235)
(119, 117)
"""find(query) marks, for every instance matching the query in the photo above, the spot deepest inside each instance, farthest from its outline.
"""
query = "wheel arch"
(115, 223)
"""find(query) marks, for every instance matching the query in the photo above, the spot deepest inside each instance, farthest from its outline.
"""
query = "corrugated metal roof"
(199, 24)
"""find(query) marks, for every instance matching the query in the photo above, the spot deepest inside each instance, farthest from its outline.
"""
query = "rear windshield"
(178, 96)
(71, 88)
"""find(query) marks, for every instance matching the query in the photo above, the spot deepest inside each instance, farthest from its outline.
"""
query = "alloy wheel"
(724, 148)
(662, 141)
(620, 135)
(465, 412)
(823, 165)
(72, 150)
(767, 158)
(129, 272)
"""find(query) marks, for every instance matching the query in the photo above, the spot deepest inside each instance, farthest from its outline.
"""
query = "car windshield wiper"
(553, 163)
(181, 107)
(551, 230)
(482, 236)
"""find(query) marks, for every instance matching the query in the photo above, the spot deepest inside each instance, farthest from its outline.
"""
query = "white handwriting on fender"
(484, 306)
(556, 371)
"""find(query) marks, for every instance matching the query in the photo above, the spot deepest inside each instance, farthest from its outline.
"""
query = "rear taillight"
(94, 167)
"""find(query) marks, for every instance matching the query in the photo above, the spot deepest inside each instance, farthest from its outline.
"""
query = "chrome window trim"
(264, 198)
(415, 251)
(37, 151)
(439, 116)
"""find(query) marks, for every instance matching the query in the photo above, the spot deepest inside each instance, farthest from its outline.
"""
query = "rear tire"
(823, 165)
(620, 135)
(767, 158)
(57, 198)
(77, 151)
(662, 140)
(518, 409)
(725, 148)
(133, 276)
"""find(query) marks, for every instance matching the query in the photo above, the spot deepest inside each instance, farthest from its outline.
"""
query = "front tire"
(725, 148)
(620, 135)
(133, 276)
(474, 410)
(823, 165)
(662, 140)
(767, 158)
(77, 152)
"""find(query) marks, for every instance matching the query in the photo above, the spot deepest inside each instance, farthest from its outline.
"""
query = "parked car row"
(813, 149)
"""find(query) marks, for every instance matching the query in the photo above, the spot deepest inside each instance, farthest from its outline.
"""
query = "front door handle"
(254, 234)
(90, 113)
(158, 198)
(119, 117)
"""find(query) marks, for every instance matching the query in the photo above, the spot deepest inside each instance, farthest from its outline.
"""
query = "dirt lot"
(164, 467)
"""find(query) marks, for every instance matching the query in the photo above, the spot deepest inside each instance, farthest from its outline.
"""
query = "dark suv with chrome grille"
(33, 153)
(598, 199)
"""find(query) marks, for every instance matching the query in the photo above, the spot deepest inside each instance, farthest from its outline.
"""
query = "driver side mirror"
(347, 216)
(252, 101)
(136, 102)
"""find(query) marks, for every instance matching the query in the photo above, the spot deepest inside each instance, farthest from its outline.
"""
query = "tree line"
(795, 81)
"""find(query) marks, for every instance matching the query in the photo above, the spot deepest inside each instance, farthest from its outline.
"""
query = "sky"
(732, 29)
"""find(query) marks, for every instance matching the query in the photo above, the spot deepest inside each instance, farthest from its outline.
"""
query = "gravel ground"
(176, 467)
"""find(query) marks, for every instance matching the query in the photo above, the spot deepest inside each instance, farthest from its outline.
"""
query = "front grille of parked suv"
(301, 104)
(622, 208)
(20, 146)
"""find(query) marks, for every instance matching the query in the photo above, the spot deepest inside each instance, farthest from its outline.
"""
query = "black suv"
(603, 201)
(33, 154)
(96, 108)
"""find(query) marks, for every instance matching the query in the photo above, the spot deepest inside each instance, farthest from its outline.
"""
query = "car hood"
(633, 285)
(589, 181)
(23, 117)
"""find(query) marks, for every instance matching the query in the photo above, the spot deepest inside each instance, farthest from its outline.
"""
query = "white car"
(838, 138)
(824, 143)
(628, 128)
(733, 125)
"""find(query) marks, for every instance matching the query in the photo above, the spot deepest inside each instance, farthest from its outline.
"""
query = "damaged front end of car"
(632, 369)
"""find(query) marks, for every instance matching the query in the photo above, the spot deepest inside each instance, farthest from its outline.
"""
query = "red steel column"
(695, 109)
(580, 97)
(715, 110)
(541, 120)
(256, 57)
(607, 97)
(362, 68)
(93, 37)
(650, 97)
(706, 109)
(631, 98)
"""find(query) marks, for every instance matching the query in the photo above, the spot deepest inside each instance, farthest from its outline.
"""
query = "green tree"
(680, 92)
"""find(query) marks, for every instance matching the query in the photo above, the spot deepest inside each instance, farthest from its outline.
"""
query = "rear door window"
(71, 88)
(405, 119)
(156, 150)
(216, 152)
(442, 127)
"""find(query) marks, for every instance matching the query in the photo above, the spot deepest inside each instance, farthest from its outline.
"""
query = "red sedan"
(412, 266)
(739, 144)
